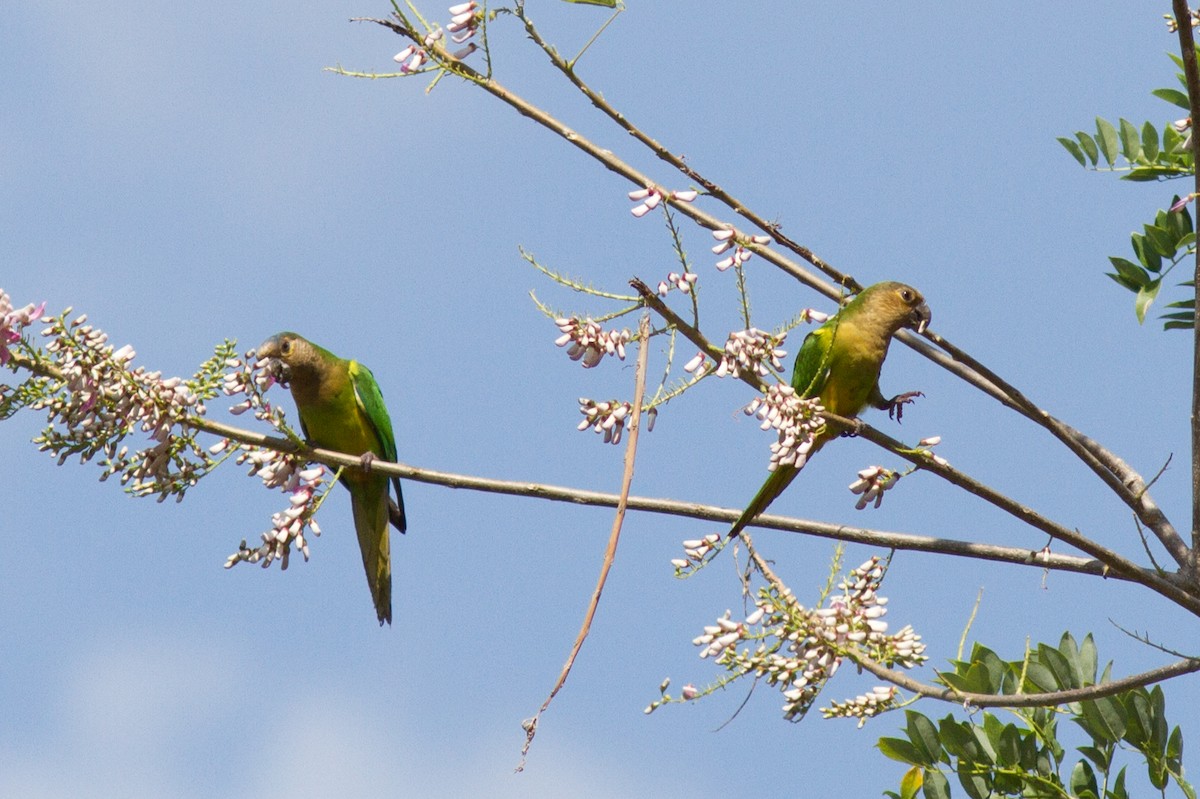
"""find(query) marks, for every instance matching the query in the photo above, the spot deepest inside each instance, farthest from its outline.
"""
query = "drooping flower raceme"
(797, 649)
(589, 342)
(607, 417)
(96, 400)
(753, 352)
(304, 487)
(797, 421)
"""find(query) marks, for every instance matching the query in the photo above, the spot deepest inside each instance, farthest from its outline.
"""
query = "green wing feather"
(811, 371)
(370, 404)
(809, 377)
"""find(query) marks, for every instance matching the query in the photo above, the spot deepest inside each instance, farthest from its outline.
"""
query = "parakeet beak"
(921, 317)
(268, 354)
(268, 349)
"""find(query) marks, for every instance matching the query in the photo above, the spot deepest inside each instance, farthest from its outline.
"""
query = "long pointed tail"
(369, 500)
(772, 488)
(775, 483)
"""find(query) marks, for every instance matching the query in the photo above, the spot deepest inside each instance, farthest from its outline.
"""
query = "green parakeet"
(839, 363)
(341, 408)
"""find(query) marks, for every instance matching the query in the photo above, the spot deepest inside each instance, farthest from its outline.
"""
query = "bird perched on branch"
(838, 365)
(341, 408)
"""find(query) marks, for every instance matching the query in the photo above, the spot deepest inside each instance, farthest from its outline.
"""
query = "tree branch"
(923, 460)
(1127, 484)
(1191, 73)
(1050, 699)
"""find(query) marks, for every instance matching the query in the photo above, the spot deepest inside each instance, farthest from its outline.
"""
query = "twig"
(614, 536)
(1049, 699)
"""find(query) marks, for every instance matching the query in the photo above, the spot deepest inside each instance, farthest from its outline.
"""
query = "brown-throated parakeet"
(838, 365)
(341, 408)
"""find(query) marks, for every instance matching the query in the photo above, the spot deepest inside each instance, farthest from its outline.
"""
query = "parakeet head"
(900, 304)
(285, 353)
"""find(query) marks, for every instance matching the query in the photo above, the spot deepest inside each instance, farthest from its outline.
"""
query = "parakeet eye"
(285, 348)
(906, 295)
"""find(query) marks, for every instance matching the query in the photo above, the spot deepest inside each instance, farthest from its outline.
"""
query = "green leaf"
(910, 783)
(1039, 678)
(924, 737)
(1104, 719)
(1175, 750)
(1118, 790)
(1145, 253)
(900, 749)
(1088, 659)
(1179, 325)
(1106, 138)
(1173, 96)
(1008, 752)
(1131, 140)
(1150, 141)
(1089, 146)
(1171, 139)
(1101, 757)
(1064, 675)
(976, 785)
(1083, 779)
(957, 740)
(1145, 297)
(1073, 149)
(936, 785)
(1161, 240)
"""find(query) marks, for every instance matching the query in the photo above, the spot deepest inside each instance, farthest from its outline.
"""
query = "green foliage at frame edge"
(991, 758)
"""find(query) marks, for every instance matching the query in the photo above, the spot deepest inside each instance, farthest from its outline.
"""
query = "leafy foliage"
(1147, 155)
(991, 758)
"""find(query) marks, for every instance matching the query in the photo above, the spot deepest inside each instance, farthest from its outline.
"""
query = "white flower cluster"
(590, 342)
(278, 470)
(464, 22)
(796, 419)
(752, 351)
(729, 238)
(12, 320)
(683, 282)
(725, 634)
(863, 706)
(100, 400)
(697, 552)
(871, 483)
(251, 378)
(607, 417)
(800, 649)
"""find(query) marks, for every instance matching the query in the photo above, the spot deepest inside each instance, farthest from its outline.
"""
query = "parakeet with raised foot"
(838, 365)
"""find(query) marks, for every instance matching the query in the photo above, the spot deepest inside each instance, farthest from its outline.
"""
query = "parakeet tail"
(371, 514)
(776, 482)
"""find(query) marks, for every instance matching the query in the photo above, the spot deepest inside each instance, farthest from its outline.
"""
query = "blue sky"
(189, 176)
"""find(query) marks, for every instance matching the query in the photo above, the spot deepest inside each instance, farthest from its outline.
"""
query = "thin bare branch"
(1050, 699)
(610, 552)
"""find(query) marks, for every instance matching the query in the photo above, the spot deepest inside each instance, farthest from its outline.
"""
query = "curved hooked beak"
(921, 317)
(268, 356)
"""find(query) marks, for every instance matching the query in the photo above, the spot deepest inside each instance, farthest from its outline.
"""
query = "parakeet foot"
(367, 459)
(896, 404)
(856, 427)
